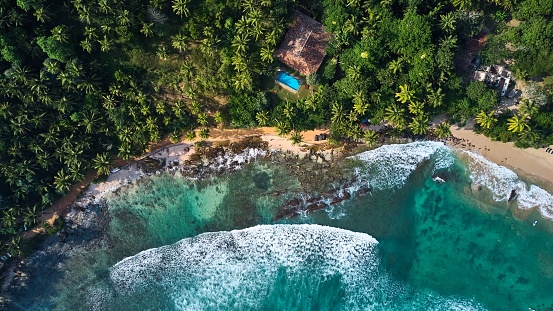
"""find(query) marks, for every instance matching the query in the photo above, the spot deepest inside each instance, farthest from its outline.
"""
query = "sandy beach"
(534, 164)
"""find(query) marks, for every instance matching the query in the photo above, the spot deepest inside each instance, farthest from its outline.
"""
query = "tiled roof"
(303, 47)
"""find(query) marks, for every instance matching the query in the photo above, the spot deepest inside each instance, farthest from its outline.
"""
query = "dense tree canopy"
(85, 81)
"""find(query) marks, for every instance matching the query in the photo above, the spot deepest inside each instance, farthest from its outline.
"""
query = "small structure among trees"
(303, 47)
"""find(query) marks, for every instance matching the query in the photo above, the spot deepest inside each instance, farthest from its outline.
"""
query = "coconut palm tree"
(419, 125)
(528, 108)
(517, 124)
(262, 118)
(296, 138)
(396, 65)
(405, 94)
(337, 113)
(395, 115)
(447, 22)
(266, 55)
(240, 42)
(62, 181)
(203, 119)
(190, 135)
(371, 138)
(529, 136)
(435, 97)
(147, 29)
(179, 42)
(102, 163)
(180, 7)
(486, 120)
(416, 108)
(204, 133)
(443, 130)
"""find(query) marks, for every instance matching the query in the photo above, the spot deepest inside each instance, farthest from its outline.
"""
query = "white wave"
(238, 270)
(501, 181)
(235, 161)
(390, 166)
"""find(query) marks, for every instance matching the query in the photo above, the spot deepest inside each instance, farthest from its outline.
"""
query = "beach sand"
(534, 164)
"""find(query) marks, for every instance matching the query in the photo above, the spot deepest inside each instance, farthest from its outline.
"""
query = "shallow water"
(412, 243)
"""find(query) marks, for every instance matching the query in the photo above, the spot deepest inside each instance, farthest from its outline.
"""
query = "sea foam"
(390, 166)
(501, 181)
(292, 267)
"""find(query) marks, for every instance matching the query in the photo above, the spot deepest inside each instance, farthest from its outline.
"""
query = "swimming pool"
(288, 80)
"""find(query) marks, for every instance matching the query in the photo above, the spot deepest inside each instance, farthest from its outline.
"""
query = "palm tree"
(354, 72)
(179, 42)
(338, 113)
(371, 137)
(30, 216)
(190, 135)
(59, 33)
(395, 115)
(296, 138)
(528, 108)
(405, 94)
(147, 29)
(443, 130)
(62, 181)
(242, 81)
(517, 124)
(529, 136)
(204, 133)
(102, 163)
(462, 5)
(266, 55)
(449, 42)
(395, 65)
(486, 120)
(447, 22)
(203, 119)
(435, 98)
(105, 44)
(240, 42)
(419, 125)
(289, 110)
(416, 108)
(262, 118)
(180, 7)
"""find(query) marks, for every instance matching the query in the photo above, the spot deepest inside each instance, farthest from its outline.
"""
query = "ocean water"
(435, 232)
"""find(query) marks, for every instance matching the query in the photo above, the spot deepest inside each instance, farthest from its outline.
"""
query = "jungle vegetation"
(83, 81)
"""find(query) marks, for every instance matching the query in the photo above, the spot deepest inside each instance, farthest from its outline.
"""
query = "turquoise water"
(288, 80)
(412, 243)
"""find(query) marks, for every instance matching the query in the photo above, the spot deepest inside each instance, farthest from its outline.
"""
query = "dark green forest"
(84, 82)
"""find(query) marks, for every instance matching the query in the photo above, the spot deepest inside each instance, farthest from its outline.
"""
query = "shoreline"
(533, 164)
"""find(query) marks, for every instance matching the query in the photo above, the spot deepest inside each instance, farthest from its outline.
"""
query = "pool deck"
(286, 87)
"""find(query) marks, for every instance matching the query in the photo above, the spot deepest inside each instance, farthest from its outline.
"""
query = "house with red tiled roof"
(303, 47)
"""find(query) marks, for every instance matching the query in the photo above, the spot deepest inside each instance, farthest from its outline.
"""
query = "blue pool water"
(288, 80)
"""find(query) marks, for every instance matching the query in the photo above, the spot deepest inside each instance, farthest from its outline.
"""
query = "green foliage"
(312, 79)
(482, 97)
(55, 49)
(243, 108)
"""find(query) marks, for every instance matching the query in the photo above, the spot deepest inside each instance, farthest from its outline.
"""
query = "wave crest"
(390, 166)
(501, 181)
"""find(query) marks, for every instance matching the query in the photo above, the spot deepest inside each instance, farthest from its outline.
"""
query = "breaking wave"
(501, 181)
(390, 166)
(279, 267)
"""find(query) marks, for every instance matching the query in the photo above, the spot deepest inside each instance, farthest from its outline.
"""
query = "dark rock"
(440, 175)
(513, 195)
(363, 191)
